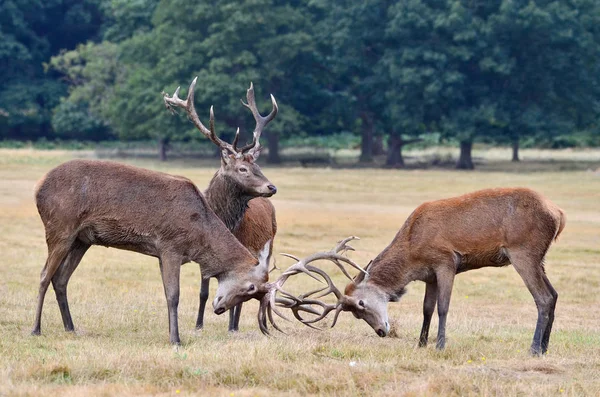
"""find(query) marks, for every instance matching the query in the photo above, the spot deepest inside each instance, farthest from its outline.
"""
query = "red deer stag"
(493, 227)
(237, 191)
(86, 202)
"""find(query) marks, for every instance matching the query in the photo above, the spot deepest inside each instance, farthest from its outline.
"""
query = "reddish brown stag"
(238, 191)
(487, 228)
(86, 202)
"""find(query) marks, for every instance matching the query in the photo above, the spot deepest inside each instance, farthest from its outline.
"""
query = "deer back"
(122, 206)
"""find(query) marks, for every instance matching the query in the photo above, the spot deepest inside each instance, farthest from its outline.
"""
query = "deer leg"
(170, 267)
(231, 318)
(61, 279)
(546, 336)
(531, 271)
(204, 287)
(234, 318)
(428, 308)
(56, 254)
(445, 281)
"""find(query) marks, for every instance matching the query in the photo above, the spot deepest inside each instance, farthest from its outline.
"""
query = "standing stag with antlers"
(487, 228)
(238, 190)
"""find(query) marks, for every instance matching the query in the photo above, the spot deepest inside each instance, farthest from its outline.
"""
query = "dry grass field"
(119, 310)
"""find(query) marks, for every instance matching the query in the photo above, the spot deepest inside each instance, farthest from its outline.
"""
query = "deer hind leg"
(445, 281)
(204, 287)
(170, 267)
(428, 309)
(56, 255)
(61, 279)
(546, 337)
(234, 318)
(530, 268)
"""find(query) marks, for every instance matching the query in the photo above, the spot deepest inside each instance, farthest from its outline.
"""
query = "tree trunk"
(515, 149)
(465, 161)
(366, 145)
(162, 149)
(273, 144)
(378, 145)
(394, 154)
(395, 145)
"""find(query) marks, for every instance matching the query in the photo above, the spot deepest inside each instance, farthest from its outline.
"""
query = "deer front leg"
(170, 267)
(445, 281)
(428, 308)
(234, 318)
(204, 287)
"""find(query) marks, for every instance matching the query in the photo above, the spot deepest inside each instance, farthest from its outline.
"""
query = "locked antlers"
(306, 302)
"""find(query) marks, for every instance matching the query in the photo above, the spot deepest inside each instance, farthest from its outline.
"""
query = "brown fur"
(493, 227)
(84, 203)
(251, 219)
(237, 182)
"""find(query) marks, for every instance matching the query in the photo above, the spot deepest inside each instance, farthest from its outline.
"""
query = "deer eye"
(251, 288)
(361, 303)
(243, 169)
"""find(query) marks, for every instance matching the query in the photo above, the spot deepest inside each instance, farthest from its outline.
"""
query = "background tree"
(498, 71)
(547, 82)
(227, 45)
(352, 34)
(30, 32)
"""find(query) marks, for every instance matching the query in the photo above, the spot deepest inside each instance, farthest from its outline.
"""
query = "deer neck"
(227, 200)
(391, 270)
(216, 249)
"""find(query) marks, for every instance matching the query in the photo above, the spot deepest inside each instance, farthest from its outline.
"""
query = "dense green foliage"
(499, 71)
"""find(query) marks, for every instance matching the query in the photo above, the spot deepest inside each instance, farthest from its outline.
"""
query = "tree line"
(500, 71)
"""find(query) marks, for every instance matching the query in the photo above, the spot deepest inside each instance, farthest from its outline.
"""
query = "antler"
(188, 106)
(305, 303)
(261, 121)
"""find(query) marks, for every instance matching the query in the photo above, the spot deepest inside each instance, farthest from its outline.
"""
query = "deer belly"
(113, 234)
(477, 260)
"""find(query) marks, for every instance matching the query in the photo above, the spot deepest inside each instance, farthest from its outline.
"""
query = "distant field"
(119, 310)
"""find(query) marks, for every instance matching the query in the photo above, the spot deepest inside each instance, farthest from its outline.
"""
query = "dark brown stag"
(238, 190)
(86, 202)
(487, 228)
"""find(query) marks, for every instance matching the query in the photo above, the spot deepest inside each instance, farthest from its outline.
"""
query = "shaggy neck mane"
(227, 201)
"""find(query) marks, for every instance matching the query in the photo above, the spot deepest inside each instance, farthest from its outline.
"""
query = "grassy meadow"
(119, 309)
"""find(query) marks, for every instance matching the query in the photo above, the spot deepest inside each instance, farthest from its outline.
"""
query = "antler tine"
(291, 256)
(262, 315)
(236, 139)
(261, 121)
(188, 106)
(343, 246)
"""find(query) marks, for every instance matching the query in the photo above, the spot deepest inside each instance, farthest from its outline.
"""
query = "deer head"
(368, 301)
(238, 165)
(235, 288)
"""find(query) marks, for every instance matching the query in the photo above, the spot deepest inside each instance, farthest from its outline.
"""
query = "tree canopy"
(500, 71)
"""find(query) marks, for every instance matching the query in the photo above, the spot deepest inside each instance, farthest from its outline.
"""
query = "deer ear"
(395, 296)
(263, 256)
(256, 153)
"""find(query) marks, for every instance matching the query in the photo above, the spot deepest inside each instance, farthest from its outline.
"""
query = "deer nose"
(220, 310)
(381, 333)
(272, 189)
